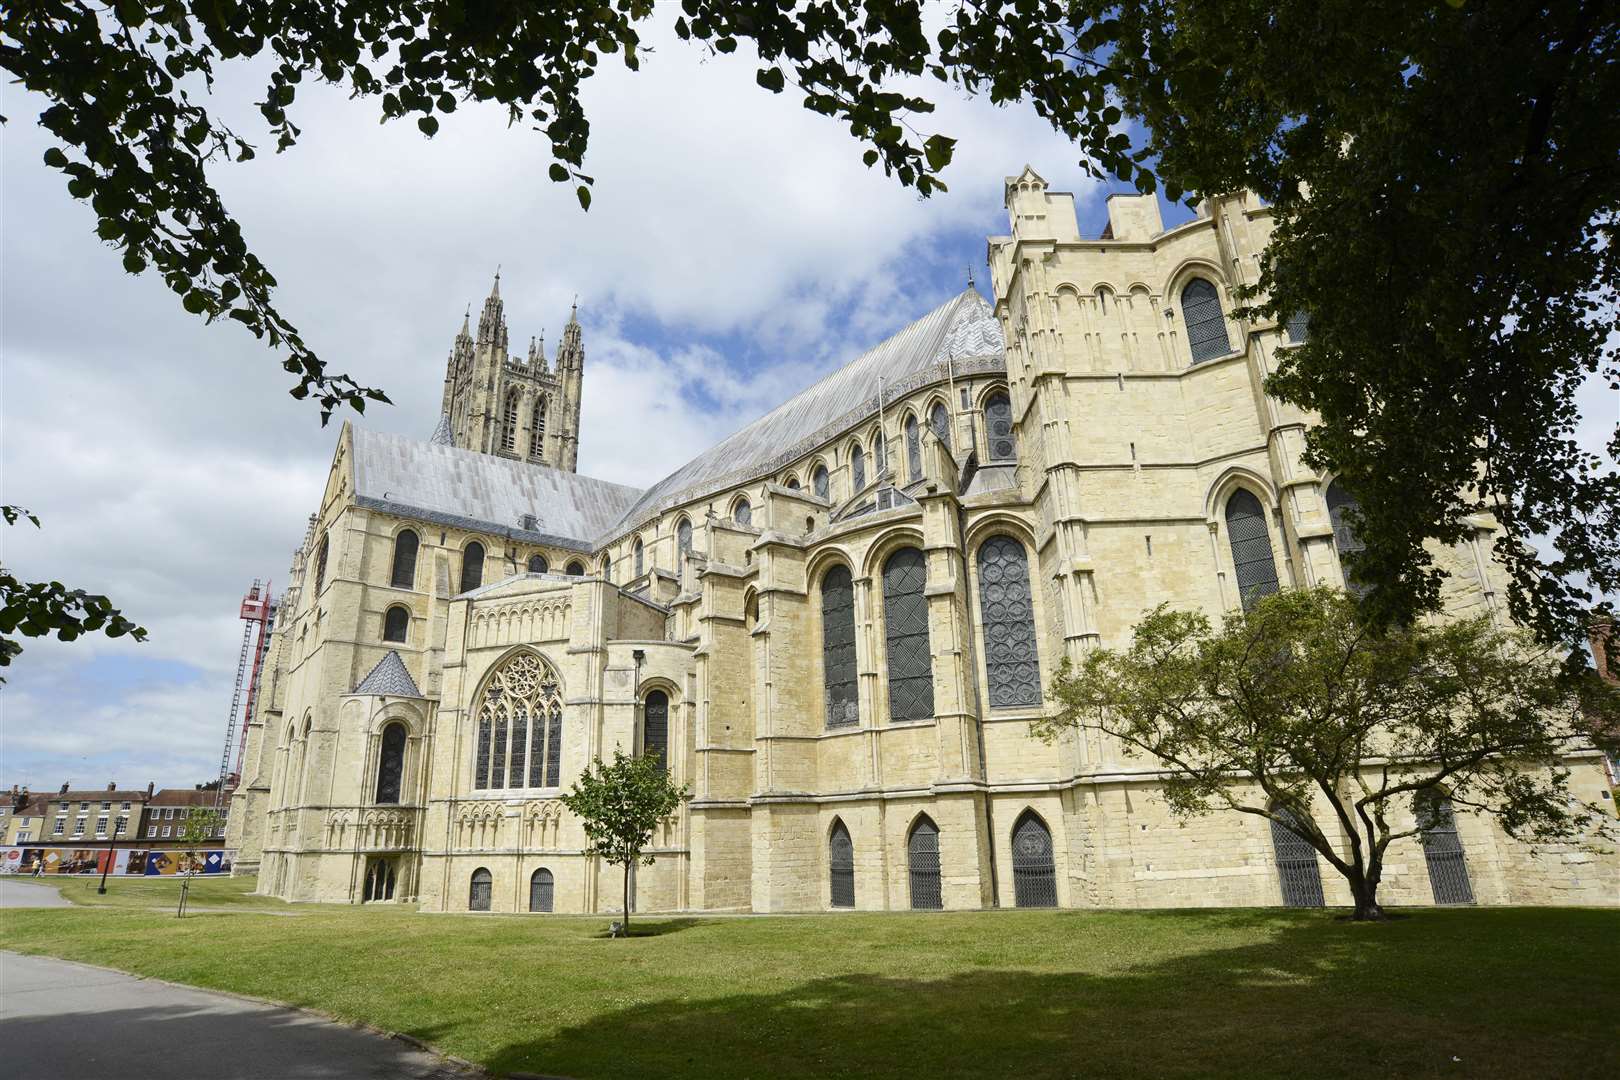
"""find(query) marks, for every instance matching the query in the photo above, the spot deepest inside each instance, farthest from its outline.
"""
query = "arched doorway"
(480, 891)
(380, 876)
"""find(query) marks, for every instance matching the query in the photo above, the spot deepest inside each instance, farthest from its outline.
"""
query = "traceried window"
(857, 467)
(537, 431)
(683, 538)
(575, 568)
(1298, 327)
(1297, 868)
(1034, 874)
(913, 448)
(655, 727)
(396, 623)
(998, 428)
(905, 619)
(509, 422)
(1251, 547)
(1443, 852)
(641, 551)
(1206, 326)
(404, 570)
(537, 564)
(391, 763)
(320, 562)
(820, 483)
(838, 648)
(880, 453)
(743, 512)
(380, 879)
(519, 727)
(1341, 504)
(841, 866)
(472, 567)
(939, 419)
(1011, 659)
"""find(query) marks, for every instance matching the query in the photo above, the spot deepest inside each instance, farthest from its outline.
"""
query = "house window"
(519, 741)
(396, 623)
(404, 570)
(857, 467)
(123, 806)
(840, 686)
(472, 567)
(320, 563)
(820, 483)
(542, 889)
(940, 421)
(60, 827)
(120, 825)
(1297, 868)
(101, 827)
(841, 866)
(742, 513)
(905, 618)
(78, 826)
(391, 763)
(1251, 547)
(1206, 326)
(922, 857)
(165, 831)
(1034, 876)
(151, 831)
(538, 564)
(914, 448)
(479, 891)
(1011, 659)
(999, 428)
(655, 727)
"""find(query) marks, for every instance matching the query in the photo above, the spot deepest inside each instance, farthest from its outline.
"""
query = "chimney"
(1600, 633)
(112, 785)
(64, 789)
(149, 785)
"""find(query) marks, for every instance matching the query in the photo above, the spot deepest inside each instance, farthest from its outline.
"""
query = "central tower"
(497, 403)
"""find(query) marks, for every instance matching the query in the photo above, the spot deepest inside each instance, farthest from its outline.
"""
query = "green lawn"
(142, 892)
(1455, 993)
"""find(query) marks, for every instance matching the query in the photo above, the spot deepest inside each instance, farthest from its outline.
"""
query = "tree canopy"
(1302, 712)
(620, 804)
(1445, 179)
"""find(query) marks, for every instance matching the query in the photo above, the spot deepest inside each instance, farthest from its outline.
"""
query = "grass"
(1476, 993)
(141, 892)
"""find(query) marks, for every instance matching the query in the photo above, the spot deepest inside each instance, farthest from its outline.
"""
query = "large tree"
(620, 804)
(1445, 176)
(1348, 735)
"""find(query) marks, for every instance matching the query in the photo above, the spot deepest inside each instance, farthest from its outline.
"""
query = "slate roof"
(961, 330)
(469, 490)
(389, 679)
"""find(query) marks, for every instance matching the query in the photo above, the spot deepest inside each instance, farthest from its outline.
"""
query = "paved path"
(64, 1021)
(29, 893)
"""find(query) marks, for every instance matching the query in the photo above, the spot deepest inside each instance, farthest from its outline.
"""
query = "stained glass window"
(1206, 326)
(519, 726)
(391, 763)
(472, 567)
(1011, 659)
(905, 617)
(838, 648)
(940, 420)
(404, 569)
(1251, 547)
(914, 448)
(396, 623)
(999, 428)
(655, 727)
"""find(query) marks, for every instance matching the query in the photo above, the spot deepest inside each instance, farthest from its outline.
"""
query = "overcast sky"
(736, 248)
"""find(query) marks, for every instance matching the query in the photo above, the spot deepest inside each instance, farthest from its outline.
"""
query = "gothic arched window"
(922, 858)
(841, 866)
(479, 891)
(1297, 868)
(1251, 547)
(396, 623)
(857, 467)
(509, 422)
(380, 876)
(913, 448)
(743, 512)
(537, 431)
(606, 569)
(575, 568)
(655, 727)
(683, 538)
(1011, 660)
(391, 763)
(840, 683)
(538, 564)
(320, 562)
(472, 567)
(1341, 505)
(1206, 326)
(542, 887)
(880, 453)
(404, 571)
(793, 483)
(519, 735)
(998, 428)
(1298, 327)
(1034, 875)
(1443, 852)
(939, 418)
(819, 482)
(905, 620)
(640, 551)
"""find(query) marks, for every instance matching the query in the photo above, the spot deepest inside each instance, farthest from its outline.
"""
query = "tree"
(1445, 180)
(35, 609)
(620, 805)
(1300, 703)
(200, 827)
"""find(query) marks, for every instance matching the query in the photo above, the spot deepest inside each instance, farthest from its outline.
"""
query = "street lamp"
(112, 841)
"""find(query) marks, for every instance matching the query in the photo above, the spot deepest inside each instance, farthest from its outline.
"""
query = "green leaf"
(771, 78)
(584, 194)
(428, 124)
(559, 173)
(939, 150)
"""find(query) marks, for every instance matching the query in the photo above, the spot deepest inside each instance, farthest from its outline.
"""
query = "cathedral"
(834, 626)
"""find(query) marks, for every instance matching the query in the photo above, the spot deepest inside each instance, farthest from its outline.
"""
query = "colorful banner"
(32, 861)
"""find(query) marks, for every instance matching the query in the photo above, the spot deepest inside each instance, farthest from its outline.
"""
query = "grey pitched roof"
(389, 678)
(959, 331)
(442, 435)
(466, 489)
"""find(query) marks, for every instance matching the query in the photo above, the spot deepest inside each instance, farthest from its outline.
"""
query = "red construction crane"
(258, 613)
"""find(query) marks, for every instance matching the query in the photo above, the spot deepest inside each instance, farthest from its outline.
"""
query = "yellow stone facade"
(711, 589)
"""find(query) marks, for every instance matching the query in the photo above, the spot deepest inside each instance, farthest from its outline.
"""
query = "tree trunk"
(1365, 890)
(628, 864)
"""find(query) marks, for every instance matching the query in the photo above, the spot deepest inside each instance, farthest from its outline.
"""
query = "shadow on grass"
(1316, 998)
(654, 928)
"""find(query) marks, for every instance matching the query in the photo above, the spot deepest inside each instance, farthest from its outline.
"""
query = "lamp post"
(112, 842)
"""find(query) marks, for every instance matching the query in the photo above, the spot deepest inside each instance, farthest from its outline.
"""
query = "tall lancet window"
(519, 728)
(857, 468)
(537, 431)
(940, 421)
(509, 422)
(913, 448)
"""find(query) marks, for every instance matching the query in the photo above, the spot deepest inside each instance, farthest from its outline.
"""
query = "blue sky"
(736, 250)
